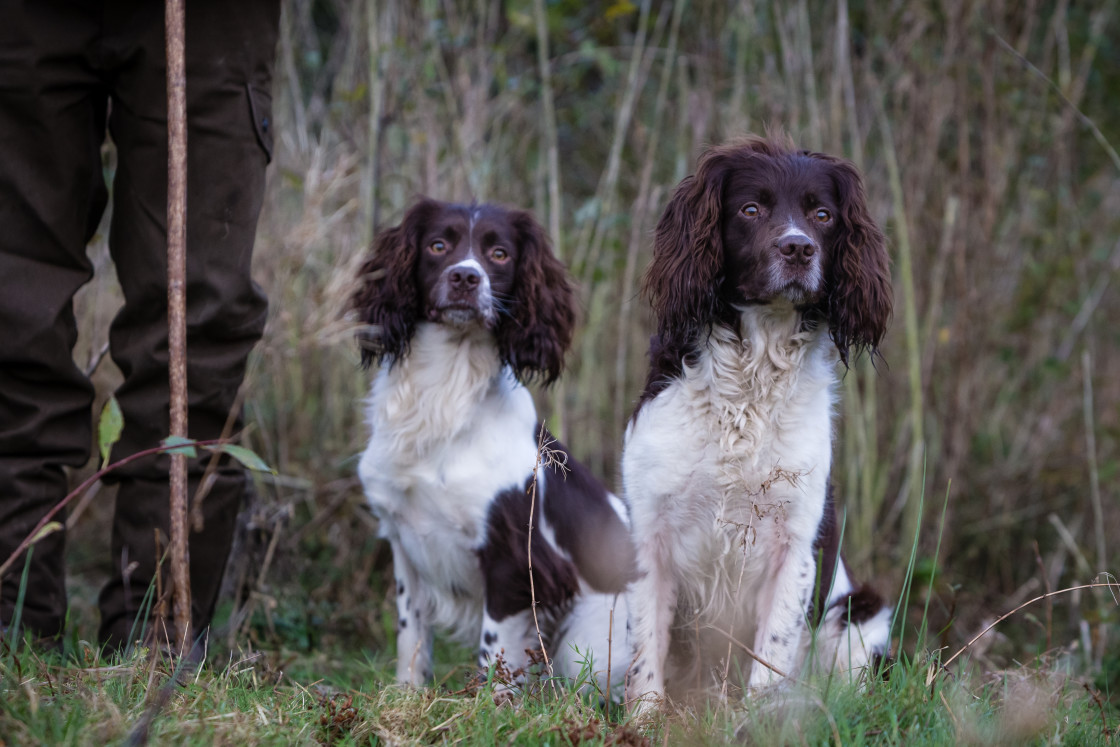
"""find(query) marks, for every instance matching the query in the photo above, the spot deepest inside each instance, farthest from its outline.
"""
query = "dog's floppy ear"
(860, 296)
(535, 334)
(387, 299)
(682, 282)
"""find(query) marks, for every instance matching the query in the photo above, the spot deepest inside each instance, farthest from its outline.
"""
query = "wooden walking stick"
(176, 311)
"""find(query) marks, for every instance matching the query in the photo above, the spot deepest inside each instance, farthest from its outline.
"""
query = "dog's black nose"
(464, 278)
(797, 249)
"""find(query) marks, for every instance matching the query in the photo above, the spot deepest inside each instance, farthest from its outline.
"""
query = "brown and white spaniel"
(767, 273)
(462, 304)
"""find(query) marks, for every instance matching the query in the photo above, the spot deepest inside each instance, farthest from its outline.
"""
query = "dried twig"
(1001, 618)
(1049, 603)
(545, 458)
(1081, 117)
(555, 206)
(35, 534)
(177, 308)
(184, 667)
(1091, 449)
(198, 520)
(1096, 696)
(750, 652)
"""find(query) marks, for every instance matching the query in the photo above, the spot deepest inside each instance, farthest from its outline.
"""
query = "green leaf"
(180, 445)
(49, 528)
(620, 9)
(247, 457)
(109, 428)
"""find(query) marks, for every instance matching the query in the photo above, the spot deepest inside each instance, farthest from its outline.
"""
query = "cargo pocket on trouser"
(260, 108)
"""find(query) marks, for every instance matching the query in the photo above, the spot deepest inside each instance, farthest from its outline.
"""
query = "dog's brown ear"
(537, 332)
(682, 281)
(860, 295)
(387, 299)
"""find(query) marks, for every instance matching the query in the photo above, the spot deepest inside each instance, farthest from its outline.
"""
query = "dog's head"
(468, 265)
(762, 223)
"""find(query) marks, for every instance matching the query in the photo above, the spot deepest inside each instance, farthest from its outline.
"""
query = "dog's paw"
(645, 707)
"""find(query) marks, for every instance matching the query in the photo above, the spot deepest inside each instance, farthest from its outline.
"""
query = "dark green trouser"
(68, 70)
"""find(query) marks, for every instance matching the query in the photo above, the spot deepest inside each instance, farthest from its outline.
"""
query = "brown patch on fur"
(504, 560)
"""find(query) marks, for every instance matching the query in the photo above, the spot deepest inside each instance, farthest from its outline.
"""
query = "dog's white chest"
(731, 461)
(446, 488)
(432, 489)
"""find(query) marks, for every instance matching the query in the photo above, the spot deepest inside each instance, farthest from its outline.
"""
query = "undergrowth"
(81, 698)
(270, 678)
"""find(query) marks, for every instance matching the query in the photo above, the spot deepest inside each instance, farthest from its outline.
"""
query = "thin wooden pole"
(176, 310)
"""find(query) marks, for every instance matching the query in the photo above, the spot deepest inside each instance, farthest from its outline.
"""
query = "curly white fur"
(451, 429)
(441, 447)
(725, 473)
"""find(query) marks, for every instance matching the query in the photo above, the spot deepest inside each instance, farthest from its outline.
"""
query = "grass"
(279, 697)
(274, 678)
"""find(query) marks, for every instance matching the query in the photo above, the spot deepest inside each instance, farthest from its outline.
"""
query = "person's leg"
(230, 50)
(52, 194)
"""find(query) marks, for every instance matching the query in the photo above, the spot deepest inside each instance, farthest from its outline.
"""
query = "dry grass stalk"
(1111, 586)
(546, 458)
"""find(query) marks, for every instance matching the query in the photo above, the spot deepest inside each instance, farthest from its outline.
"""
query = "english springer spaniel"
(767, 271)
(462, 304)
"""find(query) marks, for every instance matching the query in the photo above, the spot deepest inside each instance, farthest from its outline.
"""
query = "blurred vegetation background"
(986, 131)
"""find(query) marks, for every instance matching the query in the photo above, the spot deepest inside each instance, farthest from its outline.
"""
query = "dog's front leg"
(782, 622)
(505, 644)
(652, 600)
(414, 632)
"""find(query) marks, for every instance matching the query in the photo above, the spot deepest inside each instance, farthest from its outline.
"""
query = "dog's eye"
(750, 210)
(499, 254)
(822, 215)
(437, 247)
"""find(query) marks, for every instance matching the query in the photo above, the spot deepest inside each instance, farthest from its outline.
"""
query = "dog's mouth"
(799, 285)
(798, 293)
(458, 314)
